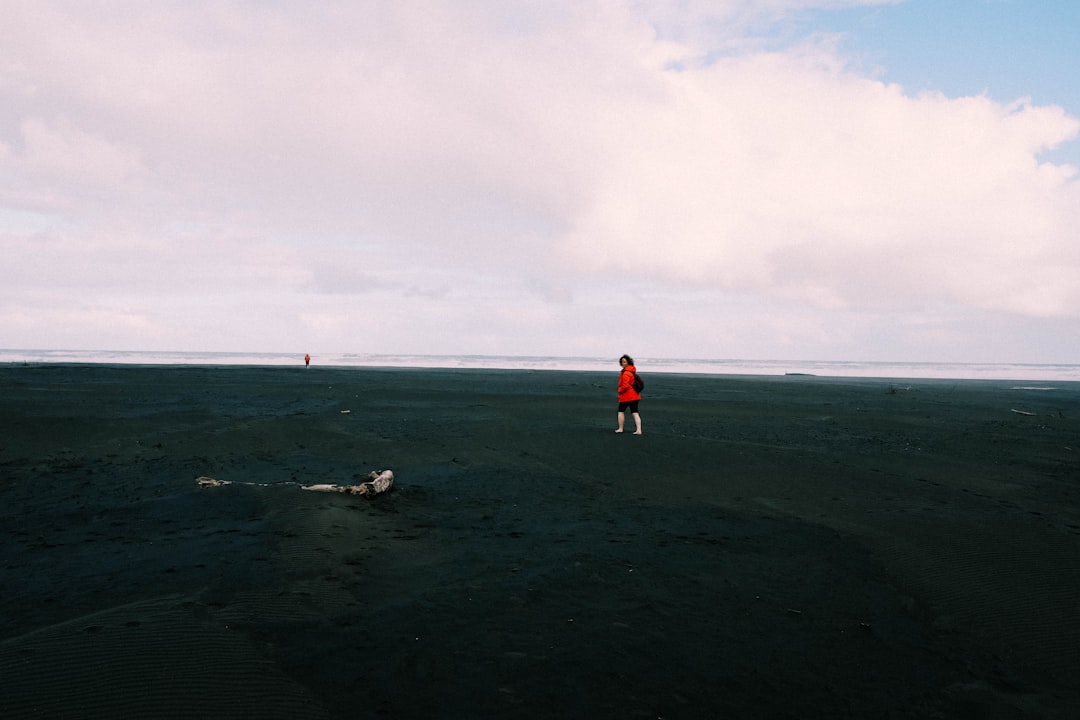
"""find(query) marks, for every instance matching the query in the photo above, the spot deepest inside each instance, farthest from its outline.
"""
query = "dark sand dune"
(771, 547)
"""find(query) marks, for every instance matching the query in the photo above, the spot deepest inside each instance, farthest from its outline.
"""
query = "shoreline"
(773, 545)
(1015, 383)
(718, 367)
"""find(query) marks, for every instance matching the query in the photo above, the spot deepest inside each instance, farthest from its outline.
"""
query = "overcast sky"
(766, 179)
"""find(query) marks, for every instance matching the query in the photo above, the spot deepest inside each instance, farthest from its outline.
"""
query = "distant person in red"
(307, 360)
(628, 396)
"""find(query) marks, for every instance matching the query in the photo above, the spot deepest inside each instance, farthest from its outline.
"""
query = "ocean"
(1048, 372)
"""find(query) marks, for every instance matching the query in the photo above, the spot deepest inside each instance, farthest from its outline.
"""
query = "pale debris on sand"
(379, 481)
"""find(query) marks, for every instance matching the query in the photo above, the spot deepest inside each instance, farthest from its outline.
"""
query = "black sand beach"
(775, 547)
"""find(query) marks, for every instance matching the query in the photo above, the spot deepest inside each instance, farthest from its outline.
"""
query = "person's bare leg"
(621, 421)
(637, 423)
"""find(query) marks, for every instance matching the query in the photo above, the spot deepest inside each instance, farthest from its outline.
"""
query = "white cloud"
(65, 154)
(785, 174)
(437, 163)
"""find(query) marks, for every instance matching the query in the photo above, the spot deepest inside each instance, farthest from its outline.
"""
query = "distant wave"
(825, 368)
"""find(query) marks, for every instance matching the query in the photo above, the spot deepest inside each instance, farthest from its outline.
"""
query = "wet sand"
(795, 547)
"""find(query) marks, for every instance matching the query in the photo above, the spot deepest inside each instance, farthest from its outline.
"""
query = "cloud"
(535, 157)
(786, 174)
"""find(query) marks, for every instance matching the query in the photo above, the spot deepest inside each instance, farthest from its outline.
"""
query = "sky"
(864, 180)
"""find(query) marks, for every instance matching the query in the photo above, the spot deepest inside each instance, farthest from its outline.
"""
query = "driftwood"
(379, 481)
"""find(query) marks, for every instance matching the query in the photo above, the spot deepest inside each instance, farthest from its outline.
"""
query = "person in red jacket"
(628, 396)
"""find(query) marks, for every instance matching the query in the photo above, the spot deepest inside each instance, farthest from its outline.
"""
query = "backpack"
(639, 384)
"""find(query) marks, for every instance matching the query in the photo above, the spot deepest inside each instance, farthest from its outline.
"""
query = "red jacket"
(626, 385)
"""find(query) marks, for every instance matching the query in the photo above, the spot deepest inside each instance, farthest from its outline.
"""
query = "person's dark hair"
(629, 360)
